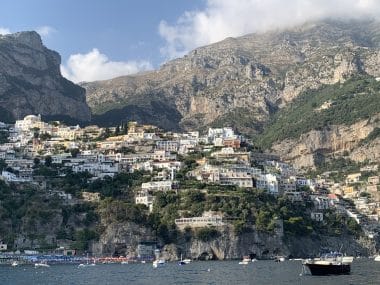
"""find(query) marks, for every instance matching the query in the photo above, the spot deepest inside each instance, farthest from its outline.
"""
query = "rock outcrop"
(123, 239)
(31, 82)
(312, 148)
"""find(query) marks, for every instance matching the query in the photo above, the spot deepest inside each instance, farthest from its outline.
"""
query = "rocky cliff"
(31, 82)
(123, 239)
(315, 146)
(240, 81)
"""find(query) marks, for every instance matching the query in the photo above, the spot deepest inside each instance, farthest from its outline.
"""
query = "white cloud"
(45, 31)
(4, 31)
(94, 66)
(231, 18)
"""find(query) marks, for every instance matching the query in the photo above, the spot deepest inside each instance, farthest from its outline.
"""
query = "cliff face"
(31, 82)
(123, 239)
(315, 146)
(242, 81)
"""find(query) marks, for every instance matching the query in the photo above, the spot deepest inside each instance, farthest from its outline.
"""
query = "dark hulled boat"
(329, 264)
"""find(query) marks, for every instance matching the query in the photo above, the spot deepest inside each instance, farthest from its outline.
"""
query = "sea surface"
(363, 271)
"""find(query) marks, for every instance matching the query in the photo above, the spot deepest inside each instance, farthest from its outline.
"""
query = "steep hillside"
(31, 82)
(241, 81)
(343, 118)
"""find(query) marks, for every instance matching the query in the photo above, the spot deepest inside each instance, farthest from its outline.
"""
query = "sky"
(100, 39)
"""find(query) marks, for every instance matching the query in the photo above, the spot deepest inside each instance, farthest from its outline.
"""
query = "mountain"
(250, 82)
(240, 81)
(31, 82)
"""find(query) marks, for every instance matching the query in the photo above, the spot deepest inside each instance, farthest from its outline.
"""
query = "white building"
(145, 198)
(267, 182)
(207, 219)
(154, 186)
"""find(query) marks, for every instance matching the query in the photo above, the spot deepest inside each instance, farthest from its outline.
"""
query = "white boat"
(184, 261)
(279, 259)
(41, 264)
(158, 263)
(124, 262)
(14, 263)
(377, 258)
(87, 264)
(245, 261)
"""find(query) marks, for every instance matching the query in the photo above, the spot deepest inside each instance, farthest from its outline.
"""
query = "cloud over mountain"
(225, 18)
(94, 66)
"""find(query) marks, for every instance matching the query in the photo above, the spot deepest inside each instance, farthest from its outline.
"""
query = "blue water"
(363, 271)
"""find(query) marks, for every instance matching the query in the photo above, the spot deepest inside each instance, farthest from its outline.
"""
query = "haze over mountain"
(31, 82)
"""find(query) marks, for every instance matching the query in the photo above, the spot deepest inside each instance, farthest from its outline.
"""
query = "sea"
(363, 271)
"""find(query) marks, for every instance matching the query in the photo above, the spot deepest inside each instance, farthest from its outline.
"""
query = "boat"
(41, 264)
(124, 262)
(87, 264)
(158, 263)
(14, 263)
(245, 260)
(329, 264)
(184, 261)
(377, 258)
(279, 259)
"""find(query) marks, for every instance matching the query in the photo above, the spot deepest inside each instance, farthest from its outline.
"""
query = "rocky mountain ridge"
(242, 81)
(31, 82)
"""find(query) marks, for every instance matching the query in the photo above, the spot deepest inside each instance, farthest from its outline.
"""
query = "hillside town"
(220, 158)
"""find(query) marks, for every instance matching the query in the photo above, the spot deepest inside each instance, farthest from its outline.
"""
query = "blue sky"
(104, 39)
(122, 30)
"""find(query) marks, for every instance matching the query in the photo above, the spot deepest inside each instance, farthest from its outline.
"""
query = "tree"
(48, 161)
(117, 131)
(74, 152)
(3, 165)
(36, 161)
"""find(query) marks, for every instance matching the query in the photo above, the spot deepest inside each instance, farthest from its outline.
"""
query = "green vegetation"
(357, 98)
(372, 136)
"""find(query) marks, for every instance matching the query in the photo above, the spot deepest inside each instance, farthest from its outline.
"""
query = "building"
(317, 216)
(172, 146)
(91, 197)
(207, 219)
(145, 198)
(154, 186)
(373, 180)
(353, 178)
(267, 182)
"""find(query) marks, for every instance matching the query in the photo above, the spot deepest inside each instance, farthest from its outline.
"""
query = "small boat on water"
(158, 263)
(87, 264)
(14, 263)
(377, 258)
(246, 260)
(329, 264)
(184, 261)
(41, 264)
(279, 259)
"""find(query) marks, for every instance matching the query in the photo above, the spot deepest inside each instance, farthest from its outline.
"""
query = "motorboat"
(279, 259)
(14, 263)
(158, 263)
(334, 263)
(377, 258)
(184, 261)
(246, 260)
(41, 264)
